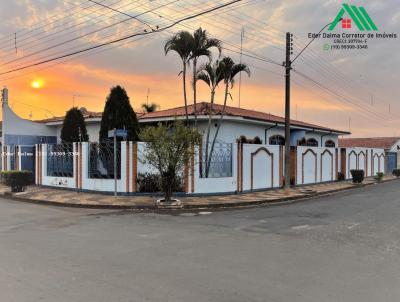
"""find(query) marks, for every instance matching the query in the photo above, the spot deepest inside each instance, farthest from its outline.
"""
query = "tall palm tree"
(212, 75)
(148, 108)
(201, 47)
(182, 44)
(228, 70)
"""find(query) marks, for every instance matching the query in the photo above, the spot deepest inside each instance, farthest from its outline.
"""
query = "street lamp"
(288, 68)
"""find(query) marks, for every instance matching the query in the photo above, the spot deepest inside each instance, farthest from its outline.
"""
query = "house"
(237, 122)
(391, 145)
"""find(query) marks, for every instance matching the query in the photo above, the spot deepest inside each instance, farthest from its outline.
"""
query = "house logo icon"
(355, 14)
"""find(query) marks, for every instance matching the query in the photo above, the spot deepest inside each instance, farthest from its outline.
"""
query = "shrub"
(358, 176)
(396, 172)
(17, 180)
(379, 176)
(340, 176)
(257, 140)
(150, 183)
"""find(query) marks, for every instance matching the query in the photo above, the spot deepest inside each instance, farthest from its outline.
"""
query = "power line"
(124, 38)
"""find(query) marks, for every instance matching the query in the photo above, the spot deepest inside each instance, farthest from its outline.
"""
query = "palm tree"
(182, 44)
(201, 47)
(212, 75)
(148, 108)
(228, 72)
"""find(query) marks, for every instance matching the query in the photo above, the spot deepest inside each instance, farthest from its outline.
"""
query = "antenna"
(147, 96)
(241, 55)
(15, 42)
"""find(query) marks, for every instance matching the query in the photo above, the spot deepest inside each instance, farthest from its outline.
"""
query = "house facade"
(236, 123)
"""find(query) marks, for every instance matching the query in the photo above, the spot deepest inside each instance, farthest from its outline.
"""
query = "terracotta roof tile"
(369, 142)
(203, 108)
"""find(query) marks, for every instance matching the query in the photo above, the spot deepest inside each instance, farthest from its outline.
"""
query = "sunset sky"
(360, 88)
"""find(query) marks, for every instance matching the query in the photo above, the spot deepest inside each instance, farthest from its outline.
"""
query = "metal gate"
(391, 162)
(27, 154)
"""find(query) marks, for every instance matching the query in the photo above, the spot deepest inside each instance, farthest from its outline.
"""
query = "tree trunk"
(216, 132)
(208, 130)
(184, 91)
(195, 90)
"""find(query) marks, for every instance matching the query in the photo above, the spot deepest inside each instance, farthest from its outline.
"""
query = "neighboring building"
(237, 122)
(391, 145)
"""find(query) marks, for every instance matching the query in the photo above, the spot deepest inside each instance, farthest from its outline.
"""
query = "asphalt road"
(344, 247)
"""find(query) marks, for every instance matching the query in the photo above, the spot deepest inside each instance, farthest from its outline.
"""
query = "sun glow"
(36, 84)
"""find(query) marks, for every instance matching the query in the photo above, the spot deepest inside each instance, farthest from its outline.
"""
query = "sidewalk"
(68, 198)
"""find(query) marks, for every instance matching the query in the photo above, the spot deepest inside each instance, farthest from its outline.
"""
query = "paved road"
(344, 247)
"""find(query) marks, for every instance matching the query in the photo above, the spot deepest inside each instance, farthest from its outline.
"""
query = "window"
(330, 144)
(312, 142)
(346, 23)
(277, 140)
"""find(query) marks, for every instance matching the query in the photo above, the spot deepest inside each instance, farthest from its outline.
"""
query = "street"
(343, 247)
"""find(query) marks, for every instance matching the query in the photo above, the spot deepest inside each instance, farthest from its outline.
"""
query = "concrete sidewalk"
(67, 198)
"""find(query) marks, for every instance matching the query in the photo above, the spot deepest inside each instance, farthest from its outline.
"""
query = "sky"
(354, 90)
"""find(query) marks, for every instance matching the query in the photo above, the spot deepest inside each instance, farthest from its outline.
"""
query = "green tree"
(118, 113)
(148, 108)
(228, 70)
(167, 150)
(201, 47)
(74, 127)
(182, 43)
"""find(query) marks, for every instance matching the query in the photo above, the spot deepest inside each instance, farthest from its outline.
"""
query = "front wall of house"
(93, 130)
(230, 131)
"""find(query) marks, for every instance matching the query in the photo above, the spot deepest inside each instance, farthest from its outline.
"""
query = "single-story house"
(237, 122)
(391, 145)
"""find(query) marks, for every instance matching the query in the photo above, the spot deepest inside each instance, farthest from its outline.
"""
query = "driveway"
(343, 247)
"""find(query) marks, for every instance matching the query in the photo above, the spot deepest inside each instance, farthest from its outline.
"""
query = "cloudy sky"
(356, 89)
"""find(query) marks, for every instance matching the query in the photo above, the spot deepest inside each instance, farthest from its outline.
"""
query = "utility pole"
(288, 67)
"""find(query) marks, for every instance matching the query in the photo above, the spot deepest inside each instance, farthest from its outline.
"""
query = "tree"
(182, 44)
(148, 108)
(228, 70)
(212, 75)
(168, 148)
(74, 127)
(201, 47)
(118, 113)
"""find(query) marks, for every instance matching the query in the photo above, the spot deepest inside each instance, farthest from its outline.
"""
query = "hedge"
(17, 180)
(358, 176)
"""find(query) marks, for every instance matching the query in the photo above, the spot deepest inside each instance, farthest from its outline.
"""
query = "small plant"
(396, 172)
(340, 176)
(17, 180)
(358, 176)
(257, 140)
(379, 176)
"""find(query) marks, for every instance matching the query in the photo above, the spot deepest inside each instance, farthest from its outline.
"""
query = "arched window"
(277, 140)
(312, 142)
(330, 144)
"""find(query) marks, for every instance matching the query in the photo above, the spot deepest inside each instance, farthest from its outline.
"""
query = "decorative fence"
(220, 163)
(101, 160)
(234, 167)
(60, 160)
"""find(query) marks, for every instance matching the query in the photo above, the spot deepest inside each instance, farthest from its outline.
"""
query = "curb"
(229, 205)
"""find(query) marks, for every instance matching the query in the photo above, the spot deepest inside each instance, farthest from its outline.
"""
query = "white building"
(237, 122)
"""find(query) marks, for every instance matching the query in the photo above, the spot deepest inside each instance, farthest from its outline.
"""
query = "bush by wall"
(150, 183)
(396, 172)
(17, 180)
(340, 176)
(379, 176)
(358, 176)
